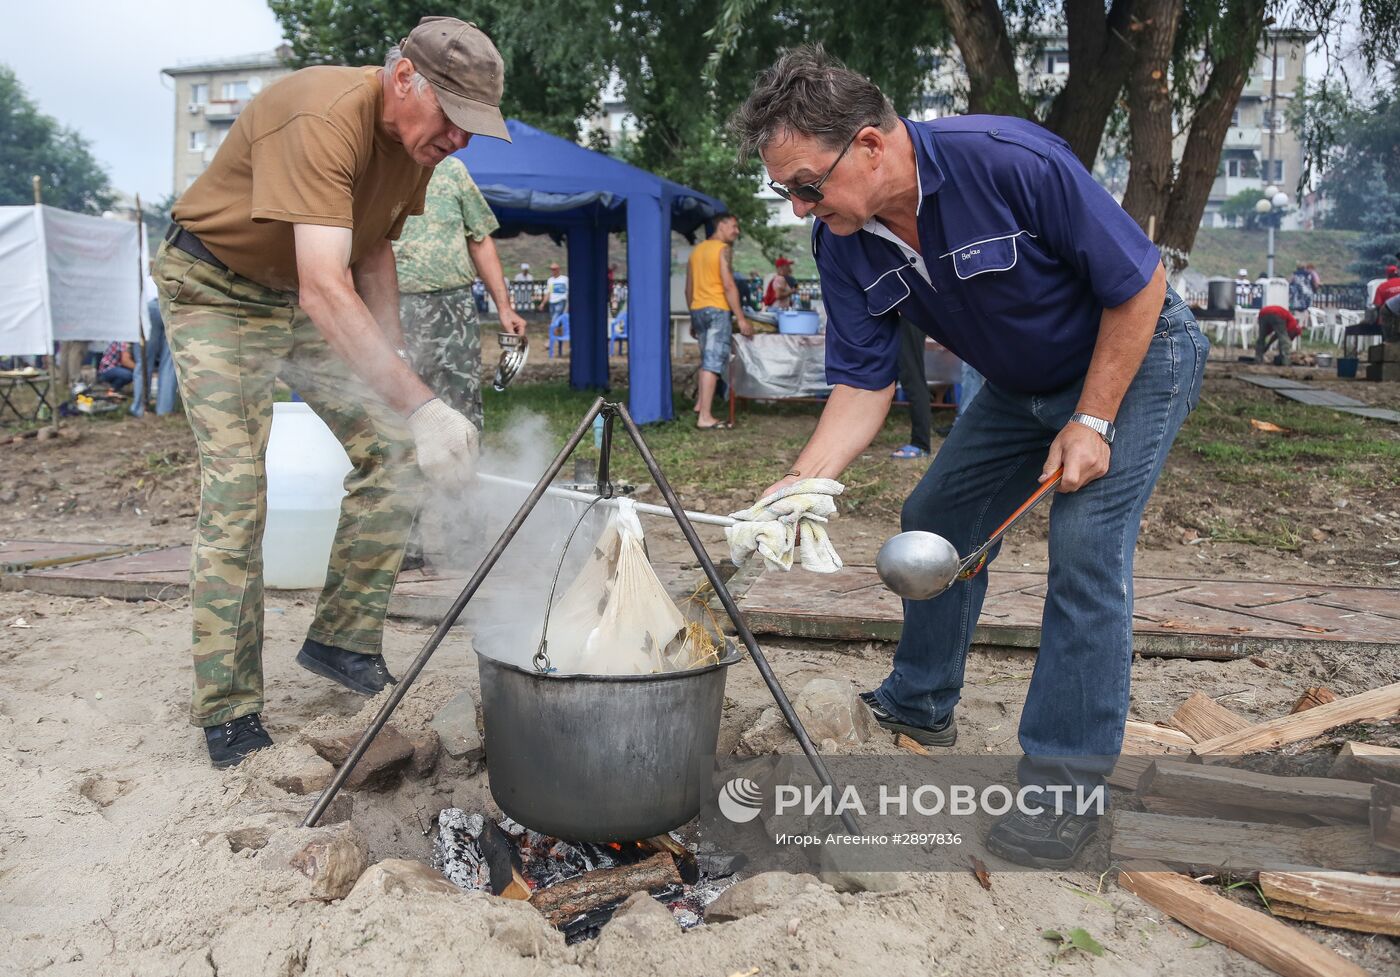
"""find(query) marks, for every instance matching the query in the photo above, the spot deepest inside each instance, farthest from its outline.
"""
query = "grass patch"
(1317, 443)
(733, 464)
(1279, 536)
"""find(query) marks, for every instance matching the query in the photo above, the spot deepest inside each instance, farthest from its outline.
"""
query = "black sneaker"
(943, 734)
(1046, 840)
(230, 742)
(365, 674)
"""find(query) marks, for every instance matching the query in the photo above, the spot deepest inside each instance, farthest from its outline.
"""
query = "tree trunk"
(1101, 45)
(980, 32)
(1150, 115)
(1244, 20)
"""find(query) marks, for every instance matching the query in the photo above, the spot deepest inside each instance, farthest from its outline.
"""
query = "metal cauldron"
(601, 757)
(1220, 293)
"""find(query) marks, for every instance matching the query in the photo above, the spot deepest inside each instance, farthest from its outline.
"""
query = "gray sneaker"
(943, 734)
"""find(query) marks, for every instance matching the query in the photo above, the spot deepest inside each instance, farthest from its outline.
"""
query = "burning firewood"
(573, 897)
(503, 862)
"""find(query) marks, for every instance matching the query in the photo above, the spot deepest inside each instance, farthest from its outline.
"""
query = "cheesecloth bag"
(616, 618)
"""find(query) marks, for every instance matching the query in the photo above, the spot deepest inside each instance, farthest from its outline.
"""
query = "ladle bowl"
(917, 565)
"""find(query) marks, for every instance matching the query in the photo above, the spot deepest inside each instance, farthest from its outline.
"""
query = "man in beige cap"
(279, 266)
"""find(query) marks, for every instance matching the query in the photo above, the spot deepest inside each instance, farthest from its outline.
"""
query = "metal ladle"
(918, 565)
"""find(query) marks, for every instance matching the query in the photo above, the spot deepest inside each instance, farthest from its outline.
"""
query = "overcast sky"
(95, 66)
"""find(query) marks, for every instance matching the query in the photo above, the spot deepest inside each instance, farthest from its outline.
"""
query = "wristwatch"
(1098, 425)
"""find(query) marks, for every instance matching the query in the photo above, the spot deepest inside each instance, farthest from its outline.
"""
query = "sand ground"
(114, 854)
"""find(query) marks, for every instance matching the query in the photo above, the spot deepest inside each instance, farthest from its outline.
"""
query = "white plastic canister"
(306, 469)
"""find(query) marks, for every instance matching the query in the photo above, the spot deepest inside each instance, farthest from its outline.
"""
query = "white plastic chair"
(1319, 323)
(1246, 324)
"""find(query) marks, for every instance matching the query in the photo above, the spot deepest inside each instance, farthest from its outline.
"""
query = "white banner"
(94, 275)
(24, 314)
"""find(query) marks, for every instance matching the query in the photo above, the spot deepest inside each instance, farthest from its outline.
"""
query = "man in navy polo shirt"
(989, 235)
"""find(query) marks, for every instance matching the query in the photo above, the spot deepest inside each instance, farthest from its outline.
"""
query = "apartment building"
(208, 98)
(1250, 159)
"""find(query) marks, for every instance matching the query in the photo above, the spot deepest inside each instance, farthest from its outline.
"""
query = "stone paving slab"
(1173, 617)
(1375, 413)
(1310, 394)
(1321, 398)
(1271, 382)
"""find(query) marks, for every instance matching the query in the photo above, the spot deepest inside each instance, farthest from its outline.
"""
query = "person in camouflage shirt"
(440, 254)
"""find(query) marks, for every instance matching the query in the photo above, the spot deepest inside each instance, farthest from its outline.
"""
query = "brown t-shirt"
(308, 150)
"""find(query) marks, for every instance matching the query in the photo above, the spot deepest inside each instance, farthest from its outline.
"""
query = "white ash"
(455, 851)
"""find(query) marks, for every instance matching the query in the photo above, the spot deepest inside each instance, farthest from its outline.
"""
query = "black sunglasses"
(810, 192)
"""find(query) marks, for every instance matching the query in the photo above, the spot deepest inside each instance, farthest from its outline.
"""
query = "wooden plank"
(1149, 738)
(1204, 845)
(1201, 718)
(1385, 814)
(1348, 900)
(18, 555)
(1187, 808)
(1129, 770)
(852, 605)
(1245, 789)
(1318, 695)
(1141, 742)
(1276, 945)
(1365, 761)
(1382, 703)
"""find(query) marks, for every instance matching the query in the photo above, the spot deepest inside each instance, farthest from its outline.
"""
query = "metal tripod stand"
(611, 412)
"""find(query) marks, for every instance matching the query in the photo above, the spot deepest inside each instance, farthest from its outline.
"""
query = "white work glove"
(771, 526)
(447, 444)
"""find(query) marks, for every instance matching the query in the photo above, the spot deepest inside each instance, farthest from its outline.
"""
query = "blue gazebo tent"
(541, 184)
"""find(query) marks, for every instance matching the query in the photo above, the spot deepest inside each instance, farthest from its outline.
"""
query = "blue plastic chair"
(558, 332)
(617, 332)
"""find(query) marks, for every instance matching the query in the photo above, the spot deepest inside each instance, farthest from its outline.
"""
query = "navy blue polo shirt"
(1023, 250)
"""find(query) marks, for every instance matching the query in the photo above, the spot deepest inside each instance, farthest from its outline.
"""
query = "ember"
(510, 860)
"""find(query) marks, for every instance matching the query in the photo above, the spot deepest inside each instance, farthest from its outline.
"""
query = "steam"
(507, 613)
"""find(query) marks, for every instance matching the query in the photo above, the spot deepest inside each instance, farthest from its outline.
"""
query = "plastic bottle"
(306, 469)
(598, 431)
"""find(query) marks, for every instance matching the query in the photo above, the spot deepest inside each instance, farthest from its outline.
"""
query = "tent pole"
(146, 402)
(50, 364)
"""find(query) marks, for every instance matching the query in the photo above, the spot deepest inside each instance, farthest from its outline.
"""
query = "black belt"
(192, 246)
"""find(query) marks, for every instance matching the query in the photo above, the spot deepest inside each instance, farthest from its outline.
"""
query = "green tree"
(34, 144)
(1355, 144)
(559, 55)
(1239, 209)
(554, 52)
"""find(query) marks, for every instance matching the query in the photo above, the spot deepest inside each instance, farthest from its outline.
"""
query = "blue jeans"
(115, 377)
(969, 383)
(164, 367)
(1078, 697)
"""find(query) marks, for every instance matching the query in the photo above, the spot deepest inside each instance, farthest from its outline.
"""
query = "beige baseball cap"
(465, 70)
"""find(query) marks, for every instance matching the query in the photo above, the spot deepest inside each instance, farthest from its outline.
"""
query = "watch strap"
(1103, 428)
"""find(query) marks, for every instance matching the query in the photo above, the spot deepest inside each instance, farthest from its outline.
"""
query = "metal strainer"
(515, 350)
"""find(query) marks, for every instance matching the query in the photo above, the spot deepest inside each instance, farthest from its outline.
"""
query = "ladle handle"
(973, 563)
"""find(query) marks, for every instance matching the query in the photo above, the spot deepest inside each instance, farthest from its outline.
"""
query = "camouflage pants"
(443, 336)
(231, 340)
